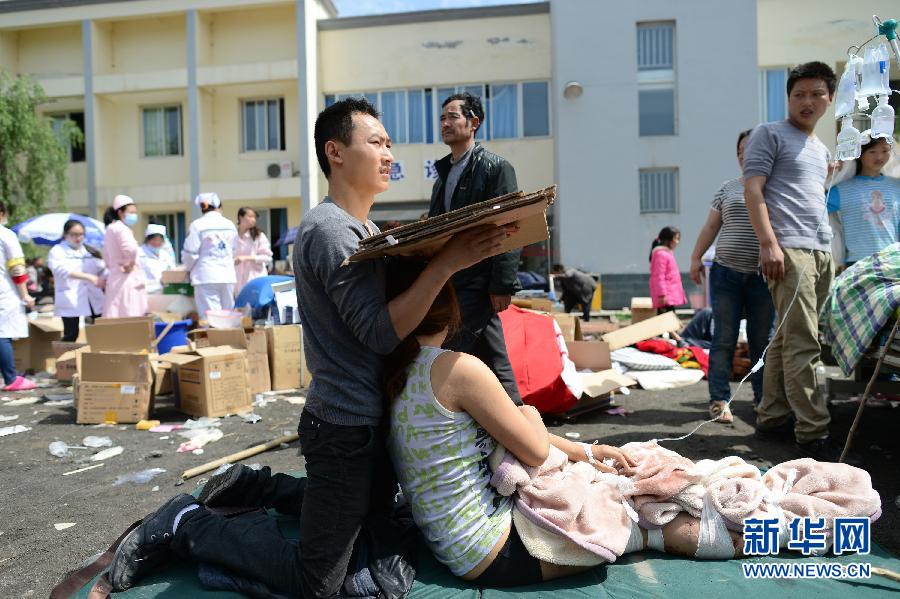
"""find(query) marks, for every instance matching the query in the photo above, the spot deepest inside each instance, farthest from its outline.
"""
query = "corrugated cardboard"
(589, 355)
(212, 381)
(122, 334)
(68, 363)
(175, 276)
(255, 342)
(599, 383)
(570, 325)
(286, 359)
(650, 328)
(114, 387)
(35, 352)
(533, 303)
(641, 309)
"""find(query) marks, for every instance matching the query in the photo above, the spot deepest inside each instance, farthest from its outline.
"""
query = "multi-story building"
(632, 108)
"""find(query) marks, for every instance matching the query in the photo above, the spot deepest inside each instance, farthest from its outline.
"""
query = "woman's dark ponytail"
(110, 216)
(666, 234)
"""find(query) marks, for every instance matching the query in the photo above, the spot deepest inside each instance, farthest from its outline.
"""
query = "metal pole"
(193, 111)
(87, 52)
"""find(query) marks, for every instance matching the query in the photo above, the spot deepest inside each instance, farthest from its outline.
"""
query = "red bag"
(536, 360)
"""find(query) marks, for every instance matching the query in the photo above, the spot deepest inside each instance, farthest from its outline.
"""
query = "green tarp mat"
(646, 574)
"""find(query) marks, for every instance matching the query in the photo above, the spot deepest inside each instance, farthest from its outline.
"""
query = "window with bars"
(512, 110)
(162, 131)
(262, 125)
(773, 94)
(658, 190)
(656, 78)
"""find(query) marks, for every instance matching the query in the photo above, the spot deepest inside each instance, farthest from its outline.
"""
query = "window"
(659, 190)
(76, 151)
(656, 78)
(175, 230)
(512, 110)
(773, 95)
(262, 123)
(162, 131)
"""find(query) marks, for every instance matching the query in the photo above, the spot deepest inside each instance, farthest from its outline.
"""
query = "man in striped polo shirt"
(785, 169)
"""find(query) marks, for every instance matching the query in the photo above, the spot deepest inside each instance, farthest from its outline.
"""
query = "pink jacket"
(665, 279)
(260, 247)
(126, 292)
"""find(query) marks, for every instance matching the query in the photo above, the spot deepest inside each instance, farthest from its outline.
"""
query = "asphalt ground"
(35, 496)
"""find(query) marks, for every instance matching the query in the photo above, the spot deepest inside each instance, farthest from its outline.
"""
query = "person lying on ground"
(448, 412)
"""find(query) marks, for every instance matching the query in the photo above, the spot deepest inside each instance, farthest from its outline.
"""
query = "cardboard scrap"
(600, 383)
(641, 309)
(648, 329)
(425, 238)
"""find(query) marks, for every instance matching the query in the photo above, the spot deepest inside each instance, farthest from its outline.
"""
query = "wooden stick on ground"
(235, 457)
(865, 395)
(890, 574)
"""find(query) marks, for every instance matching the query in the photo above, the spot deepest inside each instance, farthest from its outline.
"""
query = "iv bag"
(875, 72)
(846, 91)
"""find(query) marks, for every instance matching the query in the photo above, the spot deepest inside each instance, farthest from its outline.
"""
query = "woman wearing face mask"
(14, 298)
(80, 275)
(126, 290)
(253, 252)
(154, 258)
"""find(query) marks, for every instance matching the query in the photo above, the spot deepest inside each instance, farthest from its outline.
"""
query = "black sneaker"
(147, 547)
(781, 432)
(826, 450)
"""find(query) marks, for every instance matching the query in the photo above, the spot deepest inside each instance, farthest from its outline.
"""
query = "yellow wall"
(150, 44)
(448, 52)
(248, 36)
(50, 51)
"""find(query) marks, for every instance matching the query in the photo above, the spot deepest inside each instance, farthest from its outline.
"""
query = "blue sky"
(352, 8)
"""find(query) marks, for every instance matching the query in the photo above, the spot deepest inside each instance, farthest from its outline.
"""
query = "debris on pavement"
(86, 468)
(251, 417)
(617, 411)
(23, 401)
(146, 425)
(107, 453)
(140, 478)
(9, 418)
(12, 430)
(166, 428)
(96, 442)
(63, 525)
(573, 435)
(197, 438)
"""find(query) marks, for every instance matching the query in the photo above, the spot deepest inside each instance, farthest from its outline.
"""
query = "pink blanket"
(596, 511)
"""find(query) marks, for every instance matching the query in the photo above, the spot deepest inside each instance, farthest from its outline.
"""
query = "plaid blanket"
(862, 300)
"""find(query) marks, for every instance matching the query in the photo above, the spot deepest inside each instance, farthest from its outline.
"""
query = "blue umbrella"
(47, 229)
(258, 292)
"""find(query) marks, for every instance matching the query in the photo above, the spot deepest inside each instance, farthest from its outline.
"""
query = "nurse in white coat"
(153, 257)
(208, 255)
(14, 298)
(79, 276)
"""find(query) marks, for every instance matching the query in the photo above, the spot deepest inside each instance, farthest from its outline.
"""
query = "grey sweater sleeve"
(357, 290)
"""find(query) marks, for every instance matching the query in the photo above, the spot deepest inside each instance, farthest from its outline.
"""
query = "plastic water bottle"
(883, 120)
(845, 98)
(848, 141)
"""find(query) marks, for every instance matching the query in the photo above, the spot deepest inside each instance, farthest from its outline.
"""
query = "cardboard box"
(252, 340)
(175, 276)
(162, 383)
(212, 381)
(570, 325)
(600, 383)
(286, 359)
(125, 335)
(589, 355)
(538, 304)
(68, 359)
(114, 387)
(35, 352)
(650, 328)
(641, 309)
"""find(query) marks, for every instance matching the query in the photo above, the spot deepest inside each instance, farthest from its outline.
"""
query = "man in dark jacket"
(469, 175)
(577, 287)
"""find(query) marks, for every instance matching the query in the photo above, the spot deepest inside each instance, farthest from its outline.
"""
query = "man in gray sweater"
(785, 168)
(348, 326)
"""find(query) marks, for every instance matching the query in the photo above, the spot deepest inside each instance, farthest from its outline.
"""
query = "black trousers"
(570, 303)
(481, 335)
(70, 328)
(349, 477)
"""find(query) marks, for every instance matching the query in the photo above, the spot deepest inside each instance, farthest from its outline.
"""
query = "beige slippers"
(720, 412)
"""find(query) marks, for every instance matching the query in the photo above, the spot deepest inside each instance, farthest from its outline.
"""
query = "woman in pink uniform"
(252, 252)
(126, 290)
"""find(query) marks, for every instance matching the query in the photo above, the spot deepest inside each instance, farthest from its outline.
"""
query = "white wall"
(599, 226)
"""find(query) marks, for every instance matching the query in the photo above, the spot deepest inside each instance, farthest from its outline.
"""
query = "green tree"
(34, 155)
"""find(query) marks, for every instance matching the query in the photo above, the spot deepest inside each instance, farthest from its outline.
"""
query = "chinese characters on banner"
(431, 173)
(398, 173)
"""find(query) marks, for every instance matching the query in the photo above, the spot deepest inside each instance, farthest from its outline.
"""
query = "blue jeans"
(734, 295)
(6, 360)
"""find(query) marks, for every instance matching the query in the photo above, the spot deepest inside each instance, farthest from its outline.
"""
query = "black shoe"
(781, 432)
(148, 545)
(826, 450)
(229, 488)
